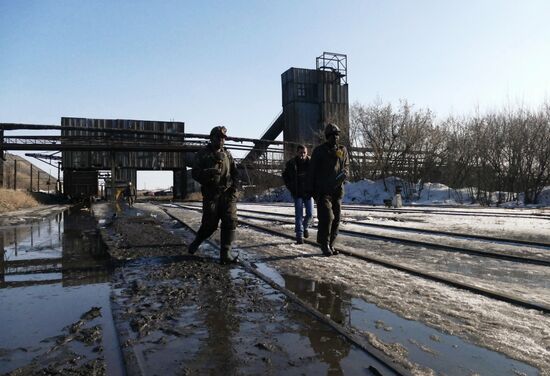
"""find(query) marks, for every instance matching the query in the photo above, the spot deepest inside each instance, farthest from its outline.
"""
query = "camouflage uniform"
(217, 173)
(328, 171)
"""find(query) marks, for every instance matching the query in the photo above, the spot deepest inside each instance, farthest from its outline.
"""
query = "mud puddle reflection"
(54, 289)
(425, 346)
(197, 317)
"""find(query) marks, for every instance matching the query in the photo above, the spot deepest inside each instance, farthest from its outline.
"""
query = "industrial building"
(105, 154)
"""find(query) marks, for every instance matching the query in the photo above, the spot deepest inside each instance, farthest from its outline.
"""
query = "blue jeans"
(302, 222)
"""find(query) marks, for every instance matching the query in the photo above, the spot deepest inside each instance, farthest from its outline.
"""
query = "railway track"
(427, 231)
(451, 212)
(515, 300)
(401, 240)
(436, 211)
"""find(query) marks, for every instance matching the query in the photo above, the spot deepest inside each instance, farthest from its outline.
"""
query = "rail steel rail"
(437, 246)
(379, 356)
(436, 211)
(520, 302)
(426, 231)
(451, 212)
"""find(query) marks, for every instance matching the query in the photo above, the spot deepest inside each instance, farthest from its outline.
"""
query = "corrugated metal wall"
(136, 160)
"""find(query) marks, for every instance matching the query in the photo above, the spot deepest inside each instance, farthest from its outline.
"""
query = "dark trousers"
(328, 215)
(215, 208)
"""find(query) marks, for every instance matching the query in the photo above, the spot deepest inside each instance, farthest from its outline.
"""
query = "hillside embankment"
(11, 200)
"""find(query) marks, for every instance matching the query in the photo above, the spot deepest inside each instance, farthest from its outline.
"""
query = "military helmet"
(331, 129)
(220, 131)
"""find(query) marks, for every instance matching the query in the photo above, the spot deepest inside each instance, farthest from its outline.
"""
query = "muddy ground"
(180, 314)
(519, 333)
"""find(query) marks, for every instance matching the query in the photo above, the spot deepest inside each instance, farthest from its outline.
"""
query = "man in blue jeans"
(295, 177)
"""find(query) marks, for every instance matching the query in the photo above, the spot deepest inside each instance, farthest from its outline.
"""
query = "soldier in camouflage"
(329, 169)
(215, 169)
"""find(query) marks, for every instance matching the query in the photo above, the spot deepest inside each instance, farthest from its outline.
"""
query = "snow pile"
(279, 194)
(372, 192)
(544, 197)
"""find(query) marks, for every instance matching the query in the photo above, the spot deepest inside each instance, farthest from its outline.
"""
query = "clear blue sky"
(219, 62)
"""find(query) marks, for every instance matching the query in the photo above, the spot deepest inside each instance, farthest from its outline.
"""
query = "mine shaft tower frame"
(334, 62)
(312, 98)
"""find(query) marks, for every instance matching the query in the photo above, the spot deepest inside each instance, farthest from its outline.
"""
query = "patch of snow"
(374, 192)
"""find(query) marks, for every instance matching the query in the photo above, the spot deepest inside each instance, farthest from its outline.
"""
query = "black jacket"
(295, 176)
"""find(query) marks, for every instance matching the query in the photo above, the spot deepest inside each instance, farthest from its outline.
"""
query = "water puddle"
(445, 354)
(182, 319)
(426, 346)
(52, 273)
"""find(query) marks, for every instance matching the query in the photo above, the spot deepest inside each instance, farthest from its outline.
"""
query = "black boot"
(192, 248)
(331, 246)
(325, 248)
(226, 239)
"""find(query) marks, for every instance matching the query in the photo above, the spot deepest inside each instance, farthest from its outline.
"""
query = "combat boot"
(331, 246)
(306, 233)
(192, 248)
(226, 239)
(325, 248)
(299, 239)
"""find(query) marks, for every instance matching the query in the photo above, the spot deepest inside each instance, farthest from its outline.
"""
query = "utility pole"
(58, 185)
(2, 159)
(30, 188)
(113, 172)
(15, 174)
(38, 182)
(2, 251)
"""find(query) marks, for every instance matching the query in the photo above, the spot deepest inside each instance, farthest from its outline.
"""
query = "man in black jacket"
(215, 169)
(295, 177)
(328, 171)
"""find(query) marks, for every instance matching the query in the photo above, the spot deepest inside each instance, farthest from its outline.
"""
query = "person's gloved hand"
(341, 178)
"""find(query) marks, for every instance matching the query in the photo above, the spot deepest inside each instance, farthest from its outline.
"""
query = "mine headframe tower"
(311, 98)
